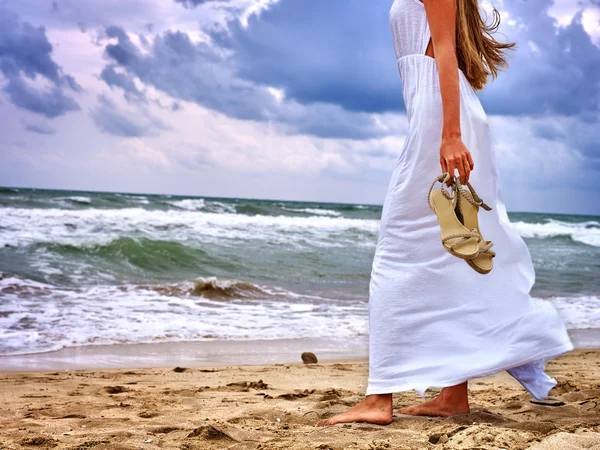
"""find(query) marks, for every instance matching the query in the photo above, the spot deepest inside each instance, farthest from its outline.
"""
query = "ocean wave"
(69, 203)
(126, 198)
(585, 232)
(91, 227)
(14, 285)
(7, 190)
(578, 311)
(314, 211)
(96, 315)
(255, 210)
(197, 204)
(189, 204)
(123, 257)
(220, 207)
(78, 199)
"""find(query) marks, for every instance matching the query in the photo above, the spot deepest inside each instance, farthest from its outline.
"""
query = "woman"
(433, 320)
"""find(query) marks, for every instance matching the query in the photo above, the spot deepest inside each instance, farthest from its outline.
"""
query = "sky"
(278, 99)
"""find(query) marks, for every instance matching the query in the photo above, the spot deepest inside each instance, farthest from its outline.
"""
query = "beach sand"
(275, 406)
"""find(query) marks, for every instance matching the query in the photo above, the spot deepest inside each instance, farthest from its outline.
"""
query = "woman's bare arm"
(441, 16)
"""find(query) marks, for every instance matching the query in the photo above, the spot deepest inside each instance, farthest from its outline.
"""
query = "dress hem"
(564, 348)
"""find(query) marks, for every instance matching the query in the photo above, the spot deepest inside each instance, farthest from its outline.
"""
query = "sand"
(275, 406)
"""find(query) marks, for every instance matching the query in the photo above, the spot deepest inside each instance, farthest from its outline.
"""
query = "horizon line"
(259, 199)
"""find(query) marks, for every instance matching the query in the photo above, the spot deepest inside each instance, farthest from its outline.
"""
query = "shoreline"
(213, 353)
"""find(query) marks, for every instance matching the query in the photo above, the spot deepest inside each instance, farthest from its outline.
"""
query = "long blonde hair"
(479, 54)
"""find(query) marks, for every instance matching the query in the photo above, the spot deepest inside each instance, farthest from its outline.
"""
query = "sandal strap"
(443, 179)
(486, 247)
(476, 200)
(453, 246)
(464, 236)
(470, 234)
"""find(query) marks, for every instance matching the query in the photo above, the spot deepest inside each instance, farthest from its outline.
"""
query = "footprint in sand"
(245, 386)
(115, 389)
(210, 433)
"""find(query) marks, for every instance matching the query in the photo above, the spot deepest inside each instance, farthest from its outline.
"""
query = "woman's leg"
(375, 408)
(450, 401)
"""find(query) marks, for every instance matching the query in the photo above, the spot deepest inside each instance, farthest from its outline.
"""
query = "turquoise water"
(81, 268)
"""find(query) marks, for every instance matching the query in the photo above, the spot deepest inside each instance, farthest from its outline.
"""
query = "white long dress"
(433, 320)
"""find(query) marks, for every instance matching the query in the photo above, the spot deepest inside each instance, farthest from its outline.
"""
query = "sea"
(95, 268)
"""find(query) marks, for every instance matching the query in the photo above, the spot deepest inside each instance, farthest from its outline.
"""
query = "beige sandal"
(467, 208)
(456, 238)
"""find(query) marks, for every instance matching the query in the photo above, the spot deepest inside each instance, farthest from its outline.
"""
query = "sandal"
(467, 207)
(456, 238)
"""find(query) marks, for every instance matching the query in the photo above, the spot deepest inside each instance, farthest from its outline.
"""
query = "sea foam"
(585, 232)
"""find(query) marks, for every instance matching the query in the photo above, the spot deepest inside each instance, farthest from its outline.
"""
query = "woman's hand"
(455, 155)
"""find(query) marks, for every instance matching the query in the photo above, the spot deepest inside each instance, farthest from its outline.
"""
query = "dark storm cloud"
(341, 55)
(337, 67)
(196, 72)
(110, 119)
(122, 80)
(25, 57)
(50, 102)
(190, 72)
(559, 75)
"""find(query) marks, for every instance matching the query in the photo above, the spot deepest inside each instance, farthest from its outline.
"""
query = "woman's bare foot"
(451, 401)
(375, 408)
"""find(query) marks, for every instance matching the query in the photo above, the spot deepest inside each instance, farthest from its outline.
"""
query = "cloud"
(39, 128)
(111, 76)
(231, 10)
(110, 119)
(50, 103)
(26, 62)
(343, 55)
(196, 72)
(320, 59)
(554, 71)
(194, 3)
(315, 74)
(549, 131)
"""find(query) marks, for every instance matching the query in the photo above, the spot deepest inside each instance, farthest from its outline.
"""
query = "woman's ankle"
(455, 394)
(379, 398)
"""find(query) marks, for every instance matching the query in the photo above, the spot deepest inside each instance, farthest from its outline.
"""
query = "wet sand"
(275, 406)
